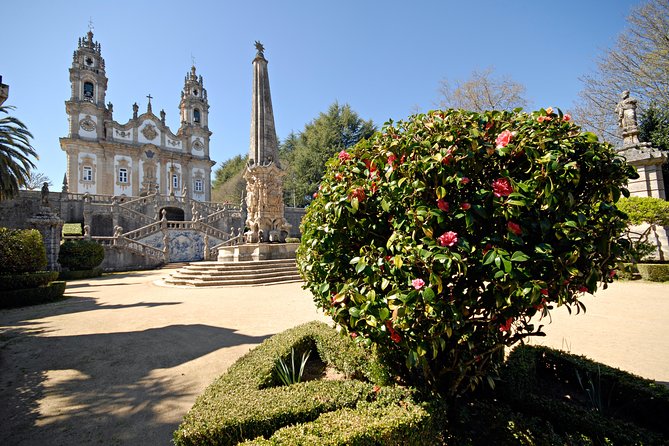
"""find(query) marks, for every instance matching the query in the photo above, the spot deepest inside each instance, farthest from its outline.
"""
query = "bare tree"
(482, 91)
(36, 180)
(638, 62)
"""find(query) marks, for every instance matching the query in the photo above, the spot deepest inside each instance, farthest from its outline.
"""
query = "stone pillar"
(51, 228)
(88, 210)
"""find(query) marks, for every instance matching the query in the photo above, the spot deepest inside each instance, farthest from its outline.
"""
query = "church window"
(87, 173)
(175, 181)
(198, 185)
(196, 116)
(123, 175)
(88, 90)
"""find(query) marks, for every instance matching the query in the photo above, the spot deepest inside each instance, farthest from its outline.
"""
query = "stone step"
(224, 273)
(264, 272)
(183, 275)
(234, 281)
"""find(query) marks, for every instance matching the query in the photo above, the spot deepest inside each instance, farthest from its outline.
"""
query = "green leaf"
(428, 295)
(354, 204)
(385, 205)
(519, 256)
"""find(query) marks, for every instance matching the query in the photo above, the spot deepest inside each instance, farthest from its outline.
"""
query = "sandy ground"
(122, 360)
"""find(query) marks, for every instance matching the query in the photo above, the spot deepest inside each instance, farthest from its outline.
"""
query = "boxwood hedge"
(32, 296)
(246, 402)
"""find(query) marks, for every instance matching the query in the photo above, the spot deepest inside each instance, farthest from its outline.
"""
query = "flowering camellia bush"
(439, 238)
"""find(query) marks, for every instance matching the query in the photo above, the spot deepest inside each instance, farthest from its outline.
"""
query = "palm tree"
(15, 153)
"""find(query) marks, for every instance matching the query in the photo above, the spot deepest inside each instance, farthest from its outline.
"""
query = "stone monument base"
(253, 252)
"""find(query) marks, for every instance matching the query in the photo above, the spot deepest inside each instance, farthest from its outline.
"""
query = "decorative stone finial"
(260, 48)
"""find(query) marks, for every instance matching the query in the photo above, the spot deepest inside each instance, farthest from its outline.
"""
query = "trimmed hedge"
(655, 272)
(80, 274)
(81, 254)
(621, 407)
(245, 403)
(26, 280)
(387, 421)
(21, 251)
(32, 296)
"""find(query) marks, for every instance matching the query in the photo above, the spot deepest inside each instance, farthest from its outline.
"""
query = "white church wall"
(122, 164)
(122, 135)
(87, 180)
(149, 133)
(198, 175)
(88, 126)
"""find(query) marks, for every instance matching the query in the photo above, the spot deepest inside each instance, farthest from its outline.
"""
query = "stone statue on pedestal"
(627, 119)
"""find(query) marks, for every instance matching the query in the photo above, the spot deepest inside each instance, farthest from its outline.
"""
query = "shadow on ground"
(75, 369)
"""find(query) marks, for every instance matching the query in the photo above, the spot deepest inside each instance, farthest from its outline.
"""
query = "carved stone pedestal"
(51, 228)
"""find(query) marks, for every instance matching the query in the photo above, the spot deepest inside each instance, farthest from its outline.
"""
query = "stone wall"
(294, 217)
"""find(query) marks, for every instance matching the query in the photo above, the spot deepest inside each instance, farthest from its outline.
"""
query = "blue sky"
(384, 58)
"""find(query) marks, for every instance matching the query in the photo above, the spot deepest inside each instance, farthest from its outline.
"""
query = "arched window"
(88, 90)
(196, 116)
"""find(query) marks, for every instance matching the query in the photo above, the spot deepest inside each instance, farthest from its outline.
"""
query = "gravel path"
(122, 360)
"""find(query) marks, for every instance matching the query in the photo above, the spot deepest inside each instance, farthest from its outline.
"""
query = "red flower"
(376, 389)
(404, 157)
(449, 238)
(487, 248)
(354, 334)
(566, 117)
(583, 289)
(315, 194)
(612, 273)
(514, 227)
(503, 138)
(507, 325)
(391, 159)
(418, 283)
(373, 188)
(394, 335)
(358, 193)
(344, 156)
(544, 291)
(464, 180)
(339, 176)
(443, 205)
(501, 187)
(465, 206)
(448, 158)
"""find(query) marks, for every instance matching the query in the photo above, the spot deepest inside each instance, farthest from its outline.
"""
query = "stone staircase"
(264, 272)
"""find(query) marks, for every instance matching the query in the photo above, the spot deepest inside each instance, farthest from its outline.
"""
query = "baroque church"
(142, 156)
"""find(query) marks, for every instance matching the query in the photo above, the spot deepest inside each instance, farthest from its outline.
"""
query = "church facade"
(139, 157)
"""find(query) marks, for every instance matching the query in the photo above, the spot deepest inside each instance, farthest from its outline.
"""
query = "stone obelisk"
(264, 178)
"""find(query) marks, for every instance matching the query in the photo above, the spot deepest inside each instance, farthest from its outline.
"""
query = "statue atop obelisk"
(264, 178)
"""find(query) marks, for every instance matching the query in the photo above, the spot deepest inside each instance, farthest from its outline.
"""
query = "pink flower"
(418, 283)
(566, 117)
(391, 159)
(503, 138)
(464, 180)
(465, 206)
(344, 156)
(612, 273)
(501, 187)
(507, 325)
(354, 334)
(514, 227)
(549, 110)
(449, 238)
(315, 194)
(443, 205)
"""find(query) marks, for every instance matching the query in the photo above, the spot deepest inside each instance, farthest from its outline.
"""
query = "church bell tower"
(86, 107)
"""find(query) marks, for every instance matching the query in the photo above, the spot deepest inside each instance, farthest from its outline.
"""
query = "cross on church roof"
(150, 97)
(90, 24)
